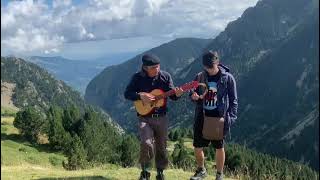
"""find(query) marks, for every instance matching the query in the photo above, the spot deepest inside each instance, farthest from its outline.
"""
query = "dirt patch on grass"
(7, 90)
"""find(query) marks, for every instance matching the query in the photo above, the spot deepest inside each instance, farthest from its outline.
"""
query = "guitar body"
(145, 109)
(160, 96)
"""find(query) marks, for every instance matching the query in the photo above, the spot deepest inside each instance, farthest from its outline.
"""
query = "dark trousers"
(153, 141)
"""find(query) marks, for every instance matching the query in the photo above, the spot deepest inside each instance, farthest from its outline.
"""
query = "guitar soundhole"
(152, 104)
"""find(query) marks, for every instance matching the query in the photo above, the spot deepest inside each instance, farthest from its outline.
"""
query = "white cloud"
(36, 26)
(61, 3)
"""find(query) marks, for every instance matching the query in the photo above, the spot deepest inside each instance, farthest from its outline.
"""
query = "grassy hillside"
(8, 111)
(108, 172)
(22, 160)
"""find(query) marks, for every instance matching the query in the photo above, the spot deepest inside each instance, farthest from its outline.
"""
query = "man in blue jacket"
(219, 101)
(153, 128)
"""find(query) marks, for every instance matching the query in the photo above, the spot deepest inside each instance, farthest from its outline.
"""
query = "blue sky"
(94, 28)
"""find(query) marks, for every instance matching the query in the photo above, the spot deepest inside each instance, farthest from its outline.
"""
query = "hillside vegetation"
(22, 160)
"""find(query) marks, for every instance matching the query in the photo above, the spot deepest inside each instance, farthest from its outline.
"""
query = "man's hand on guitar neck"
(146, 98)
(178, 91)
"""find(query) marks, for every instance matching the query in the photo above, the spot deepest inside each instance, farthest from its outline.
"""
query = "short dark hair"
(209, 58)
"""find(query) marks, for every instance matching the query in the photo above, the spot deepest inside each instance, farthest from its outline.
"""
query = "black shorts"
(199, 141)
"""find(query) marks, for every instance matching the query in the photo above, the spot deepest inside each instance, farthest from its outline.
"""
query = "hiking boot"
(200, 174)
(144, 175)
(160, 176)
(219, 176)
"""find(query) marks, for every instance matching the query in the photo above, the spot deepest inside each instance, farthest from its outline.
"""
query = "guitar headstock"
(190, 85)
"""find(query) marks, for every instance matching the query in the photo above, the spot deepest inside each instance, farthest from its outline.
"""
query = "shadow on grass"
(80, 178)
(13, 137)
(20, 139)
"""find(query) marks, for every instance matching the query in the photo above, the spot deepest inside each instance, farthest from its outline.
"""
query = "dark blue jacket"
(227, 99)
(141, 82)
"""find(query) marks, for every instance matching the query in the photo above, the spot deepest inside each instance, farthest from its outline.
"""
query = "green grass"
(21, 160)
(7, 126)
(16, 151)
(108, 172)
(7, 111)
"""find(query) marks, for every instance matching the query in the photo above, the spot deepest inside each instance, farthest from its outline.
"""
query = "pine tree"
(129, 151)
(30, 124)
(176, 135)
(59, 138)
(71, 116)
(99, 138)
(170, 135)
(77, 156)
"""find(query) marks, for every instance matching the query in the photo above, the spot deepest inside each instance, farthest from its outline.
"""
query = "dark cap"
(150, 60)
(209, 58)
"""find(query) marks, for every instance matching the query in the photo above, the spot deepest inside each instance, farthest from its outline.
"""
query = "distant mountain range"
(78, 73)
(273, 52)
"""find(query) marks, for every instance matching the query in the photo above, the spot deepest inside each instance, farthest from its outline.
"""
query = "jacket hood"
(223, 68)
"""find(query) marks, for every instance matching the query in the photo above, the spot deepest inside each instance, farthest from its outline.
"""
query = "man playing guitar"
(153, 125)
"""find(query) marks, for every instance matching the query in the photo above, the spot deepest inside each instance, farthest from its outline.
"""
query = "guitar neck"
(184, 87)
(167, 94)
(164, 95)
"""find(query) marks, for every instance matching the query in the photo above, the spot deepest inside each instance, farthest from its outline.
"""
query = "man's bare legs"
(198, 152)
(201, 171)
(220, 158)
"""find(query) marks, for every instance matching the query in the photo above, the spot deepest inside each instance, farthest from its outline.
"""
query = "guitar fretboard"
(166, 94)
(184, 87)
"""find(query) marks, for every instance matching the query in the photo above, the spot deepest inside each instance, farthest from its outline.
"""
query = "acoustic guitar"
(160, 98)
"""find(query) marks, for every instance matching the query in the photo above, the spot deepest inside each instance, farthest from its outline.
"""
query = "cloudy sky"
(90, 29)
